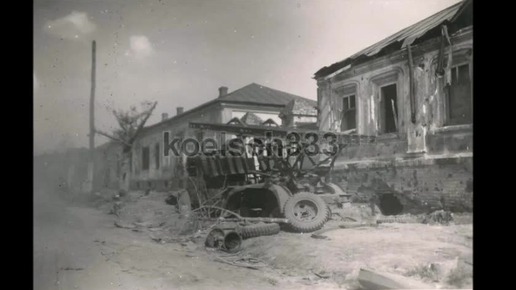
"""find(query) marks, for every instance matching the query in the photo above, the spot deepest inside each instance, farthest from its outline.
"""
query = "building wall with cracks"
(423, 154)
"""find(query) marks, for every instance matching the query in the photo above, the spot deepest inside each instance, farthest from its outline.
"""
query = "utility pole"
(92, 121)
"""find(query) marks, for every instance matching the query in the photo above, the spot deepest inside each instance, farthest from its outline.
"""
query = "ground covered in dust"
(148, 244)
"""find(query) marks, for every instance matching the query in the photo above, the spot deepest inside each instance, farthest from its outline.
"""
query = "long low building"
(149, 168)
(253, 104)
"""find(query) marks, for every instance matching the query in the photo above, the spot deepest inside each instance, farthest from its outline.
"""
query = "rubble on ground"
(164, 220)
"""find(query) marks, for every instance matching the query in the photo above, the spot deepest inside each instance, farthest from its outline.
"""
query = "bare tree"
(130, 123)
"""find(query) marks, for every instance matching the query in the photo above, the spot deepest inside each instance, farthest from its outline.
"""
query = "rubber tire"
(330, 214)
(256, 230)
(302, 226)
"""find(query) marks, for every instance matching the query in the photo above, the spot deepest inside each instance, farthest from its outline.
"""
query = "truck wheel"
(256, 230)
(306, 212)
(330, 214)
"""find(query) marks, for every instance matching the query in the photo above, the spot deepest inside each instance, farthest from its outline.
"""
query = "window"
(145, 158)
(157, 155)
(346, 105)
(348, 113)
(459, 96)
(388, 107)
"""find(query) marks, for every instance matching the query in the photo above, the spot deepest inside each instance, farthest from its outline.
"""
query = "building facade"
(414, 91)
(151, 169)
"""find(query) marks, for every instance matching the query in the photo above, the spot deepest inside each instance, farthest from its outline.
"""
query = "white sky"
(179, 52)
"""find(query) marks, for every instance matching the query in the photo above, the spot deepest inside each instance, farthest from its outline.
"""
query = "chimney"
(164, 116)
(179, 110)
(223, 91)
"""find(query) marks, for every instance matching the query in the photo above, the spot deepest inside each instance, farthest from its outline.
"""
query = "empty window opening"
(390, 204)
(389, 105)
(348, 113)
(460, 96)
(157, 155)
(145, 158)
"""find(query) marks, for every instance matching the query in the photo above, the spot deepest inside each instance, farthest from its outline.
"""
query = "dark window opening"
(460, 96)
(157, 155)
(389, 107)
(348, 113)
(145, 158)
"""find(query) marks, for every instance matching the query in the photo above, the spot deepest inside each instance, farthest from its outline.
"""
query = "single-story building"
(414, 91)
(253, 104)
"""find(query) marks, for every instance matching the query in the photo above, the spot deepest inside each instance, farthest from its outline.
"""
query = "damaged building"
(413, 90)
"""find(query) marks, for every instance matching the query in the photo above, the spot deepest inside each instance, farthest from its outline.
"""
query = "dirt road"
(80, 248)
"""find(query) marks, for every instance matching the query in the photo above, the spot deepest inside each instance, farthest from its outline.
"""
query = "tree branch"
(112, 137)
(119, 117)
(142, 123)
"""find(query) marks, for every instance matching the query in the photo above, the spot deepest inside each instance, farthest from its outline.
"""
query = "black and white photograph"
(252, 144)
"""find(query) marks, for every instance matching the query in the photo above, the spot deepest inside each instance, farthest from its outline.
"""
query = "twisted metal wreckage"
(269, 183)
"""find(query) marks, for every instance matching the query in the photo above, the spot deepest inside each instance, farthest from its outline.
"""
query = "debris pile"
(437, 217)
(154, 214)
(228, 236)
(353, 234)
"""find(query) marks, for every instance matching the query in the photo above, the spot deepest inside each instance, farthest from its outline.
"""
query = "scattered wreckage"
(268, 182)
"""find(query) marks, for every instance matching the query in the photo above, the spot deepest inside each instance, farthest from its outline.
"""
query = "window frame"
(448, 121)
(340, 92)
(381, 108)
(461, 53)
(344, 98)
(157, 159)
(145, 152)
(394, 75)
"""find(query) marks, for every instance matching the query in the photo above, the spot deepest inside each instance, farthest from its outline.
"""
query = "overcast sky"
(179, 52)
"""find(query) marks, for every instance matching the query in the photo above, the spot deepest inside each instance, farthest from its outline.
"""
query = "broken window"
(388, 107)
(348, 113)
(145, 158)
(156, 156)
(459, 96)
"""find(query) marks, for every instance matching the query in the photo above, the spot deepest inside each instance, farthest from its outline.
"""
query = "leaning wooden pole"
(91, 163)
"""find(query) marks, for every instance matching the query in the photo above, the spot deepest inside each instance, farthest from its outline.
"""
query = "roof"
(258, 94)
(300, 107)
(251, 119)
(403, 38)
(269, 122)
(252, 94)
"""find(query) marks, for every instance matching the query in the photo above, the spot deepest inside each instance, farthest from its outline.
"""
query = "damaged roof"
(403, 38)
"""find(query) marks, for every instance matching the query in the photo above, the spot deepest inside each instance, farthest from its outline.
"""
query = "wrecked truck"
(269, 173)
